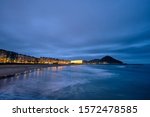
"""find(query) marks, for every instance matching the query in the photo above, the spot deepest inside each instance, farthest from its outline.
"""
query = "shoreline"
(10, 70)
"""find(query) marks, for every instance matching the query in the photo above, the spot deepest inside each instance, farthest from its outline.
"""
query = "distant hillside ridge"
(106, 60)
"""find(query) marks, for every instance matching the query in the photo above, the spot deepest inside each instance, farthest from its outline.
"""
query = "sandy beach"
(11, 70)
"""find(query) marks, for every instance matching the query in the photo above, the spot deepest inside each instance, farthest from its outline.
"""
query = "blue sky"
(77, 29)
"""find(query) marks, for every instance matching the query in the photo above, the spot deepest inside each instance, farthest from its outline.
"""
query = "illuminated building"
(46, 60)
(76, 61)
(13, 57)
(3, 56)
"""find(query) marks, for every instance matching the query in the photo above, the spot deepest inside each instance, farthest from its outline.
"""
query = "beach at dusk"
(66, 58)
(75, 50)
(7, 71)
(79, 82)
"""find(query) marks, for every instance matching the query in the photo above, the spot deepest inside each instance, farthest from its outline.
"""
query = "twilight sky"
(77, 29)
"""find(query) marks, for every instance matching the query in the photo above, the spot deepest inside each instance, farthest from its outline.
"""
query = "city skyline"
(77, 29)
(12, 57)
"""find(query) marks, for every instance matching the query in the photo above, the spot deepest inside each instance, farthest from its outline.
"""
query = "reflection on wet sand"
(58, 68)
(35, 73)
(78, 82)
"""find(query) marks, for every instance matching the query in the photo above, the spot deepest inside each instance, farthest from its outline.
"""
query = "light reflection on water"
(78, 82)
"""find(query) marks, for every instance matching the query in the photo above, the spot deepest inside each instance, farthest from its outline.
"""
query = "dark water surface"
(80, 82)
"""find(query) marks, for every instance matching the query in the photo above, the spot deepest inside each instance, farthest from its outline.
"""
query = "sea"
(79, 82)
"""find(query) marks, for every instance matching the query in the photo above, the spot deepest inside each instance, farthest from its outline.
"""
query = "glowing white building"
(76, 61)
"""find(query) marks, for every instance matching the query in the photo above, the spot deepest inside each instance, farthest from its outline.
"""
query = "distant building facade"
(46, 60)
(13, 57)
(76, 61)
(3, 56)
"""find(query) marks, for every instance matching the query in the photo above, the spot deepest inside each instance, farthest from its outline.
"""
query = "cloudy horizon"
(77, 29)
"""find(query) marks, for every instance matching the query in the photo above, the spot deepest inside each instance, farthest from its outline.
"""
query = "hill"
(106, 60)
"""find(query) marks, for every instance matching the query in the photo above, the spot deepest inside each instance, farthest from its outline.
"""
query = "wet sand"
(12, 70)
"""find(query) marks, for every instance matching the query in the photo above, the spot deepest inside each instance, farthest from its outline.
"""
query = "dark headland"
(106, 60)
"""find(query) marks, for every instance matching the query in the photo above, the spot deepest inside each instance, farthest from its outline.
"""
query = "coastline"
(10, 70)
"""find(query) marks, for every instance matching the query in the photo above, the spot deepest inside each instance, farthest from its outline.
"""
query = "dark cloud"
(77, 29)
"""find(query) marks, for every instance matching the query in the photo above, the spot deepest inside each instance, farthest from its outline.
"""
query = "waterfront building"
(76, 61)
(3, 56)
(13, 57)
